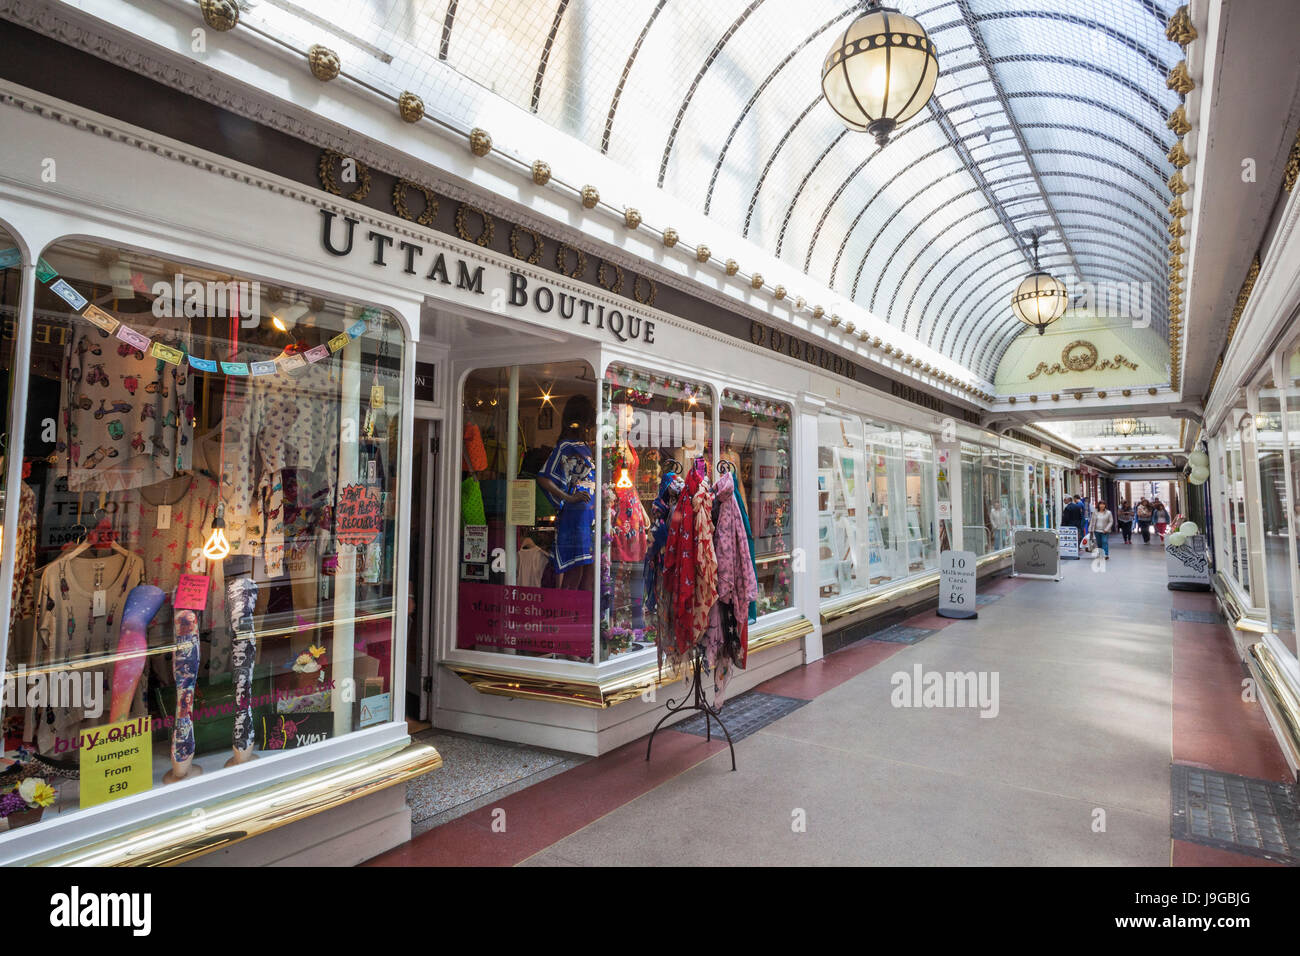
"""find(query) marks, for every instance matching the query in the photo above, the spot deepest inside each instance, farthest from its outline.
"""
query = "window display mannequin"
(569, 481)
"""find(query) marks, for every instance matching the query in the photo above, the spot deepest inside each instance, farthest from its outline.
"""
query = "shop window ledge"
(173, 840)
(1281, 694)
(1242, 617)
(889, 595)
(599, 694)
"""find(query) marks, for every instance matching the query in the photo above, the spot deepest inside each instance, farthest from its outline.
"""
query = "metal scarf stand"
(696, 700)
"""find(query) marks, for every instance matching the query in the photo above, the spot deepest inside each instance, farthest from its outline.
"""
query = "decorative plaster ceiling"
(1049, 114)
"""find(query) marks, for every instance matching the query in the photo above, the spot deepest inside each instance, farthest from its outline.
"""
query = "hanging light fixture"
(880, 72)
(1124, 426)
(218, 545)
(1040, 299)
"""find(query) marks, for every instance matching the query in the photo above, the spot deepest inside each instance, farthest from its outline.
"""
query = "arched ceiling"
(1049, 114)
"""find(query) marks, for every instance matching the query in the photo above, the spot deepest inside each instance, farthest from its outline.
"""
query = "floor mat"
(1255, 817)
(902, 634)
(745, 715)
(1188, 616)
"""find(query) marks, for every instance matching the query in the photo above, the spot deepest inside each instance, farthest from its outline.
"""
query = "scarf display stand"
(697, 701)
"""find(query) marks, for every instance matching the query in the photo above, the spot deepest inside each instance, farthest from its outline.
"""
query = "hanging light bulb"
(218, 545)
(623, 480)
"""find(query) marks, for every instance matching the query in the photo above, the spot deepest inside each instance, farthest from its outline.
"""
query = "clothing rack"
(697, 701)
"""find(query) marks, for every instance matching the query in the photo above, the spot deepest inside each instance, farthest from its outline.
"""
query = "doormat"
(745, 715)
(1241, 814)
(902, 634)
(1187, 616)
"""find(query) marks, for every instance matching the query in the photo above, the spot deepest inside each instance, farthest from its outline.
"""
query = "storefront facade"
(366, 399)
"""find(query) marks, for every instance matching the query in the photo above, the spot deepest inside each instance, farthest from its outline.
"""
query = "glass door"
(419, 599)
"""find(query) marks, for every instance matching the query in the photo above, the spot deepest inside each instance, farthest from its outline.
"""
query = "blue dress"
(572, 468)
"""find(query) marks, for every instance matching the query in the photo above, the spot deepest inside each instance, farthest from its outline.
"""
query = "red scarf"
(679, 565)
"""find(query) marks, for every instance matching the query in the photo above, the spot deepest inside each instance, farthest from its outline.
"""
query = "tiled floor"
(1094, 687)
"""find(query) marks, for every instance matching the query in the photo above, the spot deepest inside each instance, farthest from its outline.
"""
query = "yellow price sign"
(116, 761)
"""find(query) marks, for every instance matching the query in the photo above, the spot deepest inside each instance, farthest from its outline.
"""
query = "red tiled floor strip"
(549, 811)
(1193, 854)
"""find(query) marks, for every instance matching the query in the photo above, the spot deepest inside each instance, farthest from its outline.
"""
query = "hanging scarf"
(706, 564)
(670, 487)
(679, 568)
(737, 582)
(749, 534)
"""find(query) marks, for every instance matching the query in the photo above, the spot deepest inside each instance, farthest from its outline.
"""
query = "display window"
(976, 534)
(845, 509)
(213, 484)
(1271, 452)
(528, 505)
(655, 426)
(755, 441)
(11, 277)
(920, 501)
(1236, 501)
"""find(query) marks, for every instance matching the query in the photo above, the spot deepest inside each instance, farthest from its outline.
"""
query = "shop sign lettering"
(360, 516)
(503, 288)
(787, 344)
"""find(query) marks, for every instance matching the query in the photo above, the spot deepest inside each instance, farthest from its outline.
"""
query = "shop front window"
(1271, 453)
(528, 500)
(11, 277)
(921, 522)
(655, 424)
(975, 533)
(845, 507)
(213, 488)
(755, 440)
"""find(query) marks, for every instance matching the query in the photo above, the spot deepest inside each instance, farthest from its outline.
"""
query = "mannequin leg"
(241, 593)
(185, 669)
(141, 605)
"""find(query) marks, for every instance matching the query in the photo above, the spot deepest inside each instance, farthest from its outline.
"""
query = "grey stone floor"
(1084, 726)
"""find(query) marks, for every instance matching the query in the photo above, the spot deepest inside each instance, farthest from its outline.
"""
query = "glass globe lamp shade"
(881, 72)
(1039, 300)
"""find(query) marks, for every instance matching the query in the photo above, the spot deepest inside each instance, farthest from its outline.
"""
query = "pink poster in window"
(540, 620)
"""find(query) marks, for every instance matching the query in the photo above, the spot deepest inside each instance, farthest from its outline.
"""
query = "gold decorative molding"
(818, 312)
(1177, 185)
(220, 15)
(702, 253)
(756, 280)
(329, 182)
(486, 229)
(631, 217)
(731, 267)
(1178, 121)
(1176, 207)
(1243, 296)
(778, 292)
(480, 142)
(323, 62)
(1074, 361)
(590, 196)
(410, 107)
(429, 210)
(614, 285)
(1178, 155)
(1180, 29)
(1176, 228)
(534, 255)
(1292, 166)
(562, 261)
(541, 172)
(670, 237)
(1180, 81)
(227, 822)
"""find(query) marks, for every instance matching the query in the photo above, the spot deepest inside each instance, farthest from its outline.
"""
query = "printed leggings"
(241, 596)
(185, 669)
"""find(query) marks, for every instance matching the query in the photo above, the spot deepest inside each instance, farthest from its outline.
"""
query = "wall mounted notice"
(1035, 553)
(957, 584)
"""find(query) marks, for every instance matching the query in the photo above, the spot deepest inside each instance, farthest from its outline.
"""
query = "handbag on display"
(471, 502)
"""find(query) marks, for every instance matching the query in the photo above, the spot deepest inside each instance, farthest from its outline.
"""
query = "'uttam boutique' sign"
(504, 289)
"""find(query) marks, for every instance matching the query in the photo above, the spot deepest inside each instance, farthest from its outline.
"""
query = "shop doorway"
(419, 604)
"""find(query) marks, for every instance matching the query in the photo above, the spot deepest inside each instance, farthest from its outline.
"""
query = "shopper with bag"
(1103, 523)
